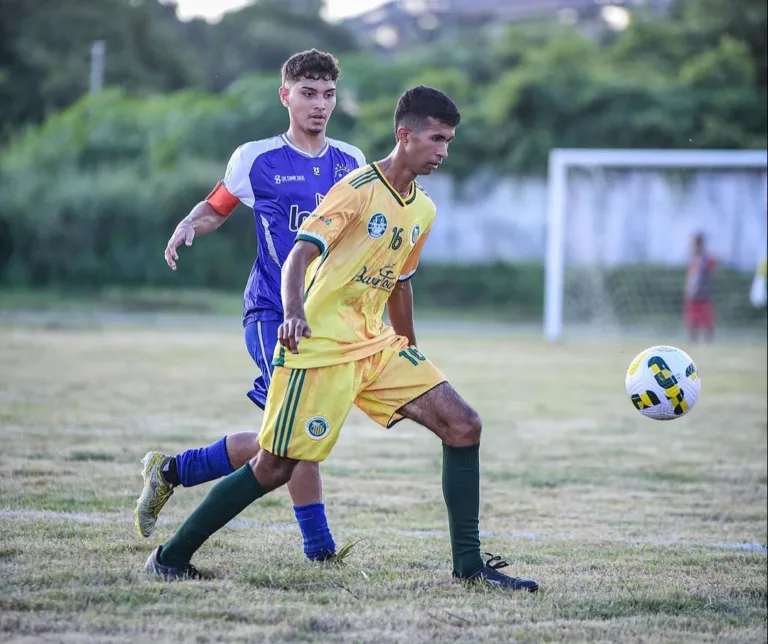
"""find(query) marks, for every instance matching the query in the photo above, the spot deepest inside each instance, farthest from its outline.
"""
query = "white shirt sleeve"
(351, 150)
(237, 178)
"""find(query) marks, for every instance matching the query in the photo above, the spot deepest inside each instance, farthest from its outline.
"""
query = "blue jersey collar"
(295, 148)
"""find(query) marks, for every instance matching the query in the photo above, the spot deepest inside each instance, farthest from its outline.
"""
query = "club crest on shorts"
(377, 225)
(415, 232)
(317, 428)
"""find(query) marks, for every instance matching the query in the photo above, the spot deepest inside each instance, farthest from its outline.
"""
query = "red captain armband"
(222, 200)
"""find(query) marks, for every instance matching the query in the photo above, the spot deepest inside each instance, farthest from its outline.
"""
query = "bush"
(110, 226)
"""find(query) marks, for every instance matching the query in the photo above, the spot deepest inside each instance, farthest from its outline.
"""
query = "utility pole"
(98, 52)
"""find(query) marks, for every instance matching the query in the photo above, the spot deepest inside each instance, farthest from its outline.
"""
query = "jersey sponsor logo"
(317, 428)
(340, 171)
(384, 279)
(377, 225)
(415, 232)
(325, 220)
(288, 178)
(296, 216)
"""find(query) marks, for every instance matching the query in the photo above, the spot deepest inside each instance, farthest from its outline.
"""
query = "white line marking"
(79, 517)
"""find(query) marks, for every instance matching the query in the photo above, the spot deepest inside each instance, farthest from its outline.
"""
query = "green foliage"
(45, 49)
(693, 81)
(91, 195)
(514, 291)
(261, 36)
(742, 20)
(110, 226)
(45, 56)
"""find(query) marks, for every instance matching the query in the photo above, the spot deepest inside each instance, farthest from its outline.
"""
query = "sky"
(212, 9)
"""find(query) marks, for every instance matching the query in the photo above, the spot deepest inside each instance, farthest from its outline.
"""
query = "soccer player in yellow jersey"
(353, 257)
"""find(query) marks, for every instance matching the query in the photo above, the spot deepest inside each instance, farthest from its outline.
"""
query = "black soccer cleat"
(154, 567)
(489, 573)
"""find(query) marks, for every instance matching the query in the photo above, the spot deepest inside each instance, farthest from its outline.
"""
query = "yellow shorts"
(307, 407)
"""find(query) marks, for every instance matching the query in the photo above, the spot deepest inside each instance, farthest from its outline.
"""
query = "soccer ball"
(663, 383)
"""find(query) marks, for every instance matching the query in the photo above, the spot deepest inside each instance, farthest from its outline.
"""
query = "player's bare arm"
(295, 326)
(201, 220)
(400, 310)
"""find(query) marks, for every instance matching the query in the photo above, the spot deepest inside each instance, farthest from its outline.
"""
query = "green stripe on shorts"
(293, 412)
(283, 412)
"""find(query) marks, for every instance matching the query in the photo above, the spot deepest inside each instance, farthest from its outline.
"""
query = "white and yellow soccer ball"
(663, 383)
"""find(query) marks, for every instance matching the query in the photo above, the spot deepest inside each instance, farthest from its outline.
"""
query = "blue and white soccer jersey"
(282, 185)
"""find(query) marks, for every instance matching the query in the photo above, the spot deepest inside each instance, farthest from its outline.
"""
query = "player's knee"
(271, 471)
(465, 430)
(242, 448)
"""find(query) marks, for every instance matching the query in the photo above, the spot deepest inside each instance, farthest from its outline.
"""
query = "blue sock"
(318, 542)
(196, 466)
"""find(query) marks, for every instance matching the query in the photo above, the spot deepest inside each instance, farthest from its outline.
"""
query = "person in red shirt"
(698, 309)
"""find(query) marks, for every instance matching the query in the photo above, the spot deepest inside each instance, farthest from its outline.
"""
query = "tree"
(45, 53)
(260, 37)
(742, 20)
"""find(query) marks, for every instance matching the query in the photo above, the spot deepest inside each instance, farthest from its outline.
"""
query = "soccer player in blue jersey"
(282, 179)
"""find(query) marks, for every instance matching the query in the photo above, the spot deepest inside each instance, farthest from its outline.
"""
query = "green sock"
(461, 491)
(228, 498)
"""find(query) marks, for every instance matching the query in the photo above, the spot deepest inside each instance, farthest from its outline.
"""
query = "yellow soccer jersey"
(369, 237)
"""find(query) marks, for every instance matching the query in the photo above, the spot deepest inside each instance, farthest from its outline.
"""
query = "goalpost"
(620, 227)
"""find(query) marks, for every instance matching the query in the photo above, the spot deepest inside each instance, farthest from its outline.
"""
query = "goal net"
(621, 225)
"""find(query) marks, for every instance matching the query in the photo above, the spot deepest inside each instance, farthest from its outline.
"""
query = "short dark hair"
(311, 64)
(420, 103)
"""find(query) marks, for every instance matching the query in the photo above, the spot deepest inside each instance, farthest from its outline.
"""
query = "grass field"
(638, 531)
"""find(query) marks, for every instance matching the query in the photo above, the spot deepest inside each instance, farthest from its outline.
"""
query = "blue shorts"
(260, 340)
